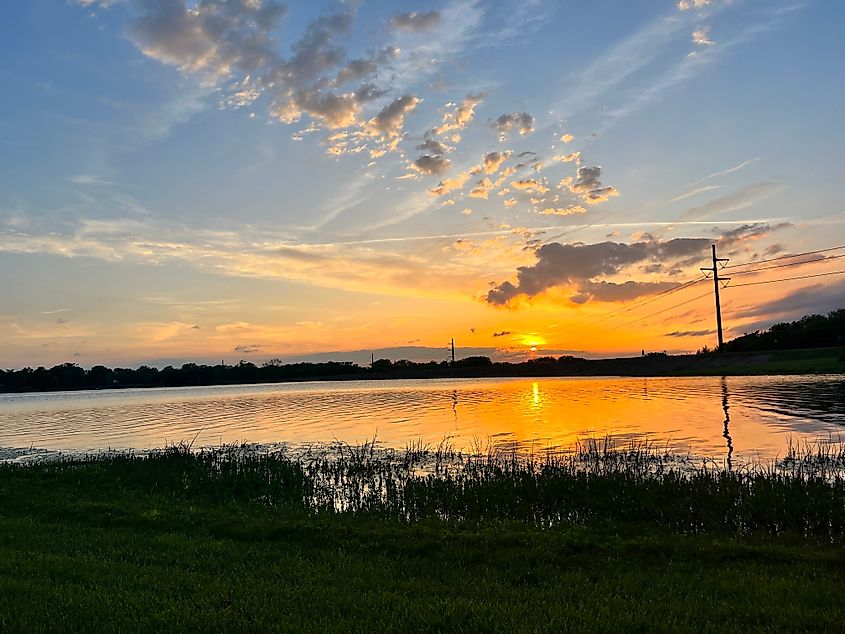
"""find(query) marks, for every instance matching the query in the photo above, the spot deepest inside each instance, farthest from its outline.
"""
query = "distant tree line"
(811, 331)
(69, 376)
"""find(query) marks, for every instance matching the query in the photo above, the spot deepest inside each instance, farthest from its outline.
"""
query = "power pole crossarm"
(716, 280)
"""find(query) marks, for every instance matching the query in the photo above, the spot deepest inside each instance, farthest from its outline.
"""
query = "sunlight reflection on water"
(726, 417)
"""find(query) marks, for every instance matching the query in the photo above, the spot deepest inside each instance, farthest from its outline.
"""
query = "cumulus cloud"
(431, 165)
(481, 189)
(701, 36)
(450, 184)
(686, 5)
(231, 46)
(566, 138)
(530, 185)
(491, 162)
(433, 147)
(572, 157)
(588, 187)
(416, 21)
(583, 266)
(459, 116)
(388, 123)
(214, 38)
(520, 121)
(510, 202)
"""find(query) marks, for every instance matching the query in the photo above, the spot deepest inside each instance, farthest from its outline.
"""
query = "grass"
(426, 540)
(775, 362)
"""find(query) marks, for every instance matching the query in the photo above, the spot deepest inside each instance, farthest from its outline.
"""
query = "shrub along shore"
(362, 539)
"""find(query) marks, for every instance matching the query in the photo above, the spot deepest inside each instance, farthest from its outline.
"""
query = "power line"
(780, 266)
(659, 312)
(787, 257)
(789, 279)
(649, 299)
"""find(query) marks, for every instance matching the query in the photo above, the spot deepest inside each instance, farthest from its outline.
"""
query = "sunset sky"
(248, 179)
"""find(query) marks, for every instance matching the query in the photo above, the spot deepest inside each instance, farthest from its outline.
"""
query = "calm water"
(686, 413)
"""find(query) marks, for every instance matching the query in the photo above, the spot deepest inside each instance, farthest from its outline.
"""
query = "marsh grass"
(597, 481)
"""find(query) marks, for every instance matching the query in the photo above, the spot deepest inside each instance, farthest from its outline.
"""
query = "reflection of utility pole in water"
(455, 406)
(727, 433)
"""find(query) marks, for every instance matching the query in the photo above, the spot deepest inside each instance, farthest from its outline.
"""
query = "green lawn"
(89, 549)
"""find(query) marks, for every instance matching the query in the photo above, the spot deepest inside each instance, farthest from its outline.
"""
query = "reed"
(596, 482)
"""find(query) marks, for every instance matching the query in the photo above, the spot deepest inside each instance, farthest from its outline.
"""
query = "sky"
(251, 179)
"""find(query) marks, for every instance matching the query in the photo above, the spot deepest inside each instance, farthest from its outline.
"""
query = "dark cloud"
(588, 186)
(584, 265)
(211, 38)
(520, 121)
(389, 121)
(434, 148)
(502, 333)
(613, 292)
(431, 165)
(247, 349)
(415, 22)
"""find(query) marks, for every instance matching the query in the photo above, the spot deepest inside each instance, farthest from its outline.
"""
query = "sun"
(532, 341)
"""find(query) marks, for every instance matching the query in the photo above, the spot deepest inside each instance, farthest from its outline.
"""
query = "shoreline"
(819, 361)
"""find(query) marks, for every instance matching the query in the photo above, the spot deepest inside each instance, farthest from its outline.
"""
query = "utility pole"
(453, 351)
(716, 280)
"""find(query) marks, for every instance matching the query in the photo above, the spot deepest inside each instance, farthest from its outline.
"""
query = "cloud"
(433, 147)
(614, 292)
(416, 21)
(521, 121)
(588, 187)
(389, 121)
(450, 184)
(213, 39)
(583, 266)
(431, 165)
(571, 210)
(817, 298)
(459, 117)
(247, 348)
(580, 265)
(502, 333)
(510, 202)
(694, 192)
(741, 199)
(686, 5)
(689, 333)
(566, 138)
(491, 162)
(482, 188)
(530, 185)
(701, 36)
(568, 158)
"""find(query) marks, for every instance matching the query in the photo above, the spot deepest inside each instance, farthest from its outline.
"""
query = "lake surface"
(683, 413)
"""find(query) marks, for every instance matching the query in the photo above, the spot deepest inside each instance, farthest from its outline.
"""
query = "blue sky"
(234, 179)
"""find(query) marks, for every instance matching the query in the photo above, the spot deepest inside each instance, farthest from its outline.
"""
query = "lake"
(681, 413)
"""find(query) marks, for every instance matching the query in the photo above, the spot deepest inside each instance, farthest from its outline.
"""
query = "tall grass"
(598, 481)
